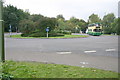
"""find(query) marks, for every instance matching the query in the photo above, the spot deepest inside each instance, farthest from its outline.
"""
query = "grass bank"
(65, 36)
(41, 70)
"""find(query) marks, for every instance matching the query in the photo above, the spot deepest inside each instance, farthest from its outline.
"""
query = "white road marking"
(64, 52)
(93, 51)
(110, 50)
(82, 66)
(84, 62)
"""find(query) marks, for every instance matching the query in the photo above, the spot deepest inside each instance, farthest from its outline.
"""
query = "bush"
(55, 34)
(41, 34)
(63, 32)
(24, 35)
(38, 34)
(107, 30)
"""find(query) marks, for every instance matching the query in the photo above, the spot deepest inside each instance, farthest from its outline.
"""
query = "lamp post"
(2, 56)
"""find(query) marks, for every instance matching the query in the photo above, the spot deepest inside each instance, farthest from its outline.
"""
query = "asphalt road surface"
(94, 51)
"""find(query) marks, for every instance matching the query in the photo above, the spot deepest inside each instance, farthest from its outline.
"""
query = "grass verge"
(41, 70)
(66, 36)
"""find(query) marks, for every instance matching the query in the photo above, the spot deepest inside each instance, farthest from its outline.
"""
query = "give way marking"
(110, 50)
(93, 51)
(64, 52)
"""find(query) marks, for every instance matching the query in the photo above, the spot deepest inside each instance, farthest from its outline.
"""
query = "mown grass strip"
(66, 36)
(41, 70)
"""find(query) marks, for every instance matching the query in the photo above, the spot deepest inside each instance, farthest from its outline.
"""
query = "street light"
(2, 56)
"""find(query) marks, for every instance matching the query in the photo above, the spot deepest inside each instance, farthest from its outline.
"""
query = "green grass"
(41, 70)
(66, 36)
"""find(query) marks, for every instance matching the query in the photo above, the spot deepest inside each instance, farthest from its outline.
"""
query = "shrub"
(55, 34)
(24, 35)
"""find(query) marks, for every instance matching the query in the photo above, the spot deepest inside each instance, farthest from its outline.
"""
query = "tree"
(27, 26)
(115, 26)
(83, 25)
(108, 19)
(94, 19)
(60, 16)
(12, 16)
(61, 24)
(43, 23)
(36, 17)
(109, 23)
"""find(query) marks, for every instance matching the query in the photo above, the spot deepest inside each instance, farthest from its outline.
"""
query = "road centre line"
(64, 52)
(110, 50)
(84, 62)
(93, 51)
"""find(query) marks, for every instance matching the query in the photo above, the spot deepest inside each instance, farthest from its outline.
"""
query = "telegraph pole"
(2, 56)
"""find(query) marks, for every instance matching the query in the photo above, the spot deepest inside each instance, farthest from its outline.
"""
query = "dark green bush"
(66, 32)
(25, 35)
(40, 34)
(63, 32)
(55, 34)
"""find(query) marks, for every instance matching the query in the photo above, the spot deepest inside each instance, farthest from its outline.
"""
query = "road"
(95, 51)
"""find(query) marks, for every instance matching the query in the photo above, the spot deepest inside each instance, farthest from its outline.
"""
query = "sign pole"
(2, 56)
(47, 30)
(10, 30)
(47, 34)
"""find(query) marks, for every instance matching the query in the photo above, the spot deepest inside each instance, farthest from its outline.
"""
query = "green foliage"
(38, 28)
(26, 26)
(118, 26)
(36, 17)
(54, 34)
(42, 24)
(60, 16)
(94, 18)
(72, 25)
(108, 19)
(12, 16)
(107, 30)
(110, 24)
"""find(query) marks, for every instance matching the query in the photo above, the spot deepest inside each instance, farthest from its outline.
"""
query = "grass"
(66, 36)
(41, 70)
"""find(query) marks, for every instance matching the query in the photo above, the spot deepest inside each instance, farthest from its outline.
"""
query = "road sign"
(47, 29)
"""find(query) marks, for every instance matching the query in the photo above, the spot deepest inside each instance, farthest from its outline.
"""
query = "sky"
(80, 9)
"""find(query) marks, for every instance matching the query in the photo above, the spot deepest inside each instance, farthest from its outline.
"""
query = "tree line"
(36, 24)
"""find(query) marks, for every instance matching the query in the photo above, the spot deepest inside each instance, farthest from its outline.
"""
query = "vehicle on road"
(94, 29)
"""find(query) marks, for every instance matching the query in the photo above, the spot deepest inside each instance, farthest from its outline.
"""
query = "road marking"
(82, 66)
(64, 52)
(84, 62)
(110, 50)
(93, 51)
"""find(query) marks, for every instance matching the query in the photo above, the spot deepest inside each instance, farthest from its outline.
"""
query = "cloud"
(78, 8)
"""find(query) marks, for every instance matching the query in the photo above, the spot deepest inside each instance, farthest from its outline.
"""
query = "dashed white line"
(84, 62)
(64, 52)
(93, 51)
(110, 50)
(82, 66)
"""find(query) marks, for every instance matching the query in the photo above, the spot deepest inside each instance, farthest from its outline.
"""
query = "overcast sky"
(81, 9)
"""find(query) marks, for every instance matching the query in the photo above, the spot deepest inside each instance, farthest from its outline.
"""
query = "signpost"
(47, 30)
(10, 30)
(2, 56)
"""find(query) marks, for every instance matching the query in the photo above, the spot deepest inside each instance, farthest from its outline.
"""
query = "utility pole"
(2, 56)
